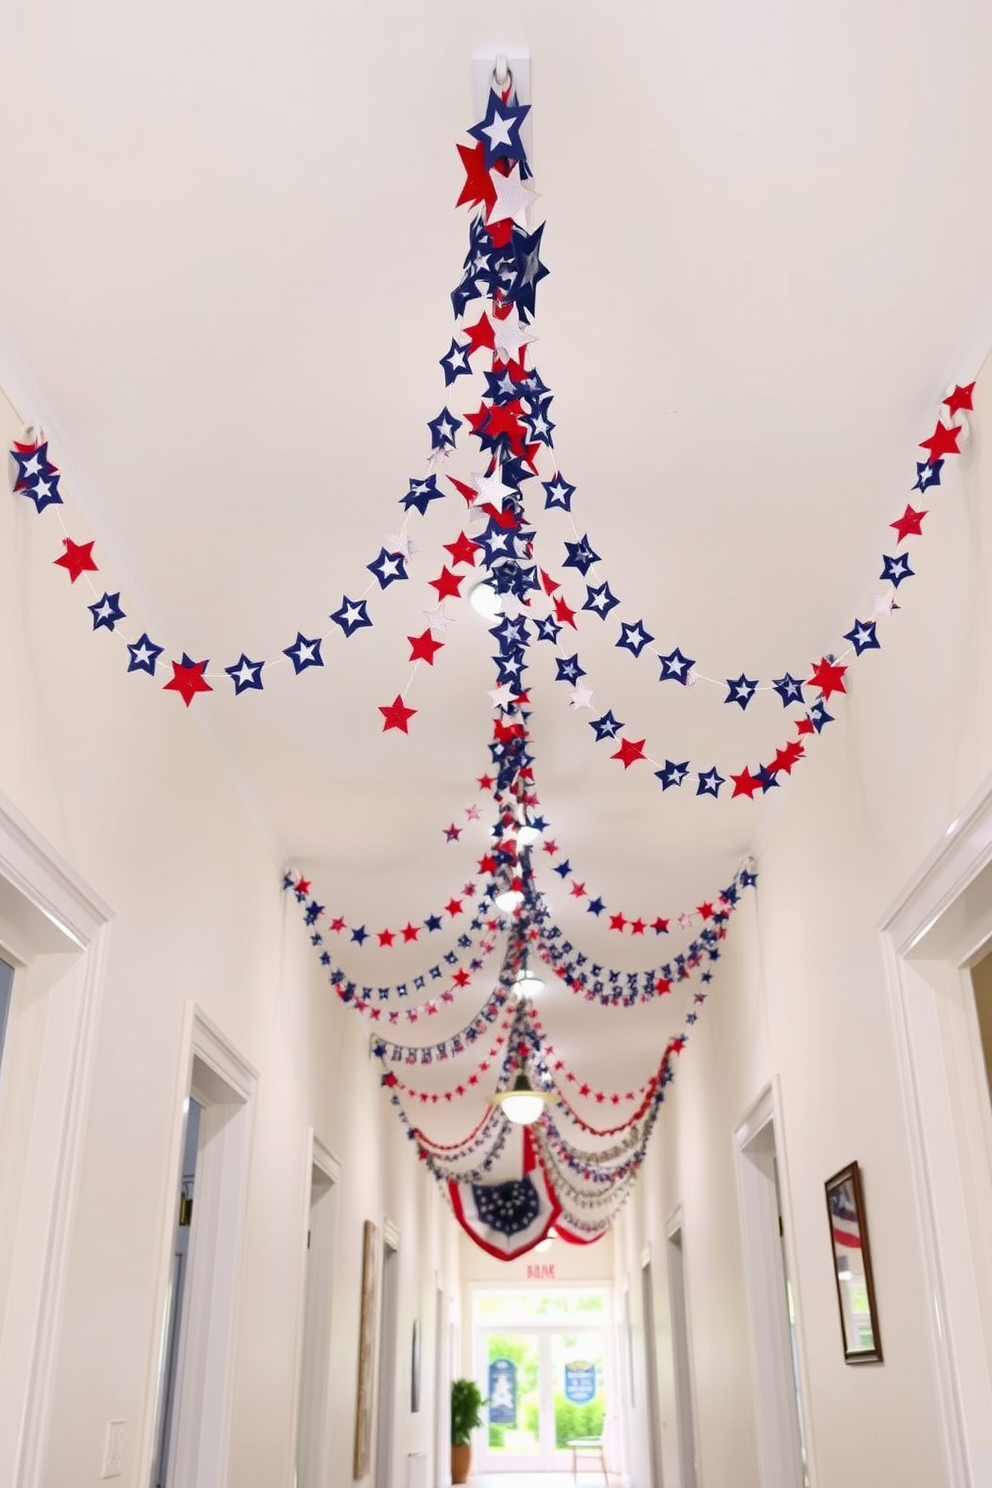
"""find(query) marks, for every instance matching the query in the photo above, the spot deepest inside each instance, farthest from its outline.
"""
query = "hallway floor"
(534, 1480)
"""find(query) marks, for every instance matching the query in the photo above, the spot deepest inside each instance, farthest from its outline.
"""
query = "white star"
(685, 920)
(512, 198)
(143, 654)
(504, 694)
(490, 488)
(883, 604)
(103, 610)
(580, 697)
(33, 466)
(692, 679)
(400, 542)
(499, 131)
(438, 621)
(510, 336)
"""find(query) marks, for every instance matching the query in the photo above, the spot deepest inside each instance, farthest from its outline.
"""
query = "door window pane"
(6, 982)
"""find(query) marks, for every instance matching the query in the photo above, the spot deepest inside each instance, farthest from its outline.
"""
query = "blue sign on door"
(580, 1382)
(502, 1393)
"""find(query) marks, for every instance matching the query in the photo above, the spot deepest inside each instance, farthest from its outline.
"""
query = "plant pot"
(461, 1462)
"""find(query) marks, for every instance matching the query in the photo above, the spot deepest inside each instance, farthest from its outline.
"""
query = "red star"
(302, 886)
(487, 864)
(188, 679)
(617, 922)
(637, 927)
(578, 890)
(663, 985)
(454, 907)
(397, 715)
(629, 752)
(337, 925)
(447, 583)
(77, 558)
(485, 782)
(959, 401)
(481, 336)
(584, 1089)
(786, 757)
(564, 614)
(500, 232)
(659, 926)
(504, 418)
(386, 937)
(469, 492)
(478, 182)
(704, 910)
(550, 847)
(909, 524)
(745, 784)
(828, 676)
(507, 520)
(452, 833)
(943, 441)
(461, 977)
(805, 726)
(409, 932)
(463, 549)
(547, 582)
(424, 647)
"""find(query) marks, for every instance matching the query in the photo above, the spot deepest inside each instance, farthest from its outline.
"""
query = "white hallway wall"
(123, 783)
(802, 994)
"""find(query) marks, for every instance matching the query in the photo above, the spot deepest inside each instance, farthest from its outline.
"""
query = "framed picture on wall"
(366, 1351)
(852, 1267)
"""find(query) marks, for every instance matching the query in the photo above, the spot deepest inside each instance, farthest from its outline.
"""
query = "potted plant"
(466, 1415)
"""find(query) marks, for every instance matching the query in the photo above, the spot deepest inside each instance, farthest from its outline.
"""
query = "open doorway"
(981, 977)
(317, 1298)
(652, 1400)
(681, 1359)
(177, 1292)
(386, 1403)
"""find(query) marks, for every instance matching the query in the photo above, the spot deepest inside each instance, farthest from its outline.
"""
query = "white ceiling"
(228, 242)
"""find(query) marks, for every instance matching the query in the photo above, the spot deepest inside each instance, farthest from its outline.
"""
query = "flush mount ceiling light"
(511, 897)
(486, 600)
(521, 1103)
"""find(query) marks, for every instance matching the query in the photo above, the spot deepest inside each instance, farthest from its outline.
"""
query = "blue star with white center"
(33, 464)
(43, 490)
(511, 631)
(246, 675)
(558, 492)
(388, 568)
(528, 271)
(455, 362)
(569, 669)
(508, 670)
(789, 689)
(927, 474)
(304, 653)
(634, 638)
(499, 132)
(740, 690)
(539, 427)
(895, 568)
(675, 667)
(106, 612)
(500, 387)
(144, 654)
(548, 629)
(351, 615)
(862, 636)
(580, 555)
(421, 494)
(710, 782)
(444, 430)
(672, 773)
(768, 778)
(462, 295)
(600, 600)
(818, 715)
(605, 727)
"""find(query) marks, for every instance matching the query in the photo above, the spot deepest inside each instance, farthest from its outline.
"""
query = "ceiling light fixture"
(522, 1104)
(511, 897)
(486, 600)
(527, 983)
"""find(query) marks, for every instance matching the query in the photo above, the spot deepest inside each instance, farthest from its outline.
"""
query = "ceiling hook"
(501, 72)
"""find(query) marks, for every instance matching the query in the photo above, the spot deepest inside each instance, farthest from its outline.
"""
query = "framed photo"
(366, 1351)
(415, 1368)
(852, 1267)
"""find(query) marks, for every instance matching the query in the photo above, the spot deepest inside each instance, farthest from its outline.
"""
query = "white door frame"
(45, 910)
(682, 1355)
(312, 1384)
(939, 926)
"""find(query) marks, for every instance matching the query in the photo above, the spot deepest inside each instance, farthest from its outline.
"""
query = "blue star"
(595, 907)
(768, 778)
(360, 935)
(433, 922)
(388, 567)
(500, 387)
(351, 615)
(709, 783)
(304, 653)
(144, 654)
(580, 555)
(741, 691)
(106, 612)
(32, 464)
(443, 429)
(421, 494)
(511, 631)
(499, 131)
(246, 675)
(42, 489)
(455, 362)
(818, 715)
(495, 542)
(748, 880)
(606, 727)
(675, 667)
(462, 294)
(548, 629)
(539, 426)
(569, 669)
(927, 474)
(634, 638)
(789, 689)
(563, 868)
(601, 601)
(672, 773)
(515, 578)
(862, 636)
(895, 568)
(528, 271)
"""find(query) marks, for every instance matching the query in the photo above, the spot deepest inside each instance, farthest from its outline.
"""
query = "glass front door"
(546, 1384)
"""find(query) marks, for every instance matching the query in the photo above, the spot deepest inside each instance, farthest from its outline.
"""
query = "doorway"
(684, 1405)
(775, 1344)
(652, 1401)
(176, 1297)
(386, 1404)
(541, 1361)
(317, 1297)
